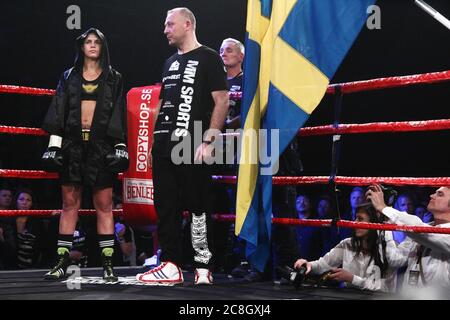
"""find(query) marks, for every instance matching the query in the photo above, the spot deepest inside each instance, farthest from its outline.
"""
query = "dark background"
(36, 46)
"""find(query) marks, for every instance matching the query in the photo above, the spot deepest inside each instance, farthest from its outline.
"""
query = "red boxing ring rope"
(23, 130)
(343, 180)
(27, 90)
(390, 82)
(28, 174)
(349, 181)
(345, 224)
(348, 87)
(280, 221)
(361, 225)
(48, 213)
(378, 127)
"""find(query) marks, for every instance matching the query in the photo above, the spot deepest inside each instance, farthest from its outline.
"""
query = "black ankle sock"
(64, 242)
(106, 244)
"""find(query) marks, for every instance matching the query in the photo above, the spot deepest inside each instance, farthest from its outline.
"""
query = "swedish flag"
(293, 49)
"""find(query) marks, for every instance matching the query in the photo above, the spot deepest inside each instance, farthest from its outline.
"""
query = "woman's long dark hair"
(375, 241)
(27, 191)
(31, 222)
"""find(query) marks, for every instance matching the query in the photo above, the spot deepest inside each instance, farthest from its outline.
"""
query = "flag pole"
(433, 12)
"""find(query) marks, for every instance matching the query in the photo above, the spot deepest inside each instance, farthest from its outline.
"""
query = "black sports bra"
(89, 89)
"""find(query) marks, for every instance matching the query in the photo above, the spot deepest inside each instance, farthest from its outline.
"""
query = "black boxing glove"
(117, 160)
(52, 159)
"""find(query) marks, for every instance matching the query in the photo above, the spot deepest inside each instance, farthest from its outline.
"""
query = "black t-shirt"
(235, 85)
(188, 80)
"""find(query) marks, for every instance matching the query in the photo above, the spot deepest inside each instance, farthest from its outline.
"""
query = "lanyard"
(420, 252)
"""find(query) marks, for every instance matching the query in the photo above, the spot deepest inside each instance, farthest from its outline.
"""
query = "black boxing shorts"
(84, 164)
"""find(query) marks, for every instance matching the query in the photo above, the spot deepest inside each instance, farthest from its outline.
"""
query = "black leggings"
(178, 188)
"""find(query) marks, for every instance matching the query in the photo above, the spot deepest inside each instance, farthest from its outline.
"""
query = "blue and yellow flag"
(293, 49)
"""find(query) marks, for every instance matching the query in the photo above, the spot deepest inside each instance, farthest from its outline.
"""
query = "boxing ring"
(29, 284)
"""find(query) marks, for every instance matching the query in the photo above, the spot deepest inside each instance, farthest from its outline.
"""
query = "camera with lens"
(295, 276)
(389, 196)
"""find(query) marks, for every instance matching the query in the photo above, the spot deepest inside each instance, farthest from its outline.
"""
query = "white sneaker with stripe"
(167, 273)
(203, 276)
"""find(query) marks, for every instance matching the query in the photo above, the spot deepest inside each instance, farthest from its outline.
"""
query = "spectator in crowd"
(6, 196)
(28, 229)
(324, 208)
(308, 238)
(7, 233)
(329, 237)
(303, 206)
(356, 198)
(422, 212)
(403, 203)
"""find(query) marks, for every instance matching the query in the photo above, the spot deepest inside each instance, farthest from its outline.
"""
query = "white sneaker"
(203, 276)
(167, 273)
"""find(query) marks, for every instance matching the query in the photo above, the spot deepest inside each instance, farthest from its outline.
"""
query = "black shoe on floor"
(108, 271)
(254, 276)
(60, 268)
(241, 271)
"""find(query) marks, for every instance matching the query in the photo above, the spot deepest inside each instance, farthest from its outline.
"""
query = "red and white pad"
(137, 181)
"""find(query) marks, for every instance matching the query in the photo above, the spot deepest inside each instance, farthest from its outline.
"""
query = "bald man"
(194, 95)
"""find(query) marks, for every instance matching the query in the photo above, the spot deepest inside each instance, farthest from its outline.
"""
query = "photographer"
(426, 255)
(359, 261)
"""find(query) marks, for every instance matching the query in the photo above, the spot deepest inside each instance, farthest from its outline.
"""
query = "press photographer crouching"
(360, 261)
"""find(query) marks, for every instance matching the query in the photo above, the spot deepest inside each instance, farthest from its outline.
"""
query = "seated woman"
(28, 231)
(359, 261)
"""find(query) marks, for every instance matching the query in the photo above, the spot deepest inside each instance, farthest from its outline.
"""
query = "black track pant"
(178, 188)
